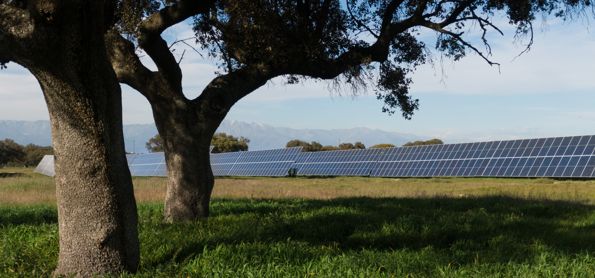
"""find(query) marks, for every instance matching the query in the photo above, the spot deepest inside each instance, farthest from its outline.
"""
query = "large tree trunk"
(97, 214)
(96, 208)
(186, 141)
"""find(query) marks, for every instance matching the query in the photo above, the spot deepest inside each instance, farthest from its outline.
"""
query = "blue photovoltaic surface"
(275, 162)
(147, 165)
(543, 157)
(563, 157)
(221, 163)
(336, 163)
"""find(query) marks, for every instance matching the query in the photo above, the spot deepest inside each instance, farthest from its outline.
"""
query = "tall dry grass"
(30, 188)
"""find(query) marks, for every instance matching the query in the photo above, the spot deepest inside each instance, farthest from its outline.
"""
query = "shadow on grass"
(455, 231)
(32, 215)
(11, 175)
(500, 229)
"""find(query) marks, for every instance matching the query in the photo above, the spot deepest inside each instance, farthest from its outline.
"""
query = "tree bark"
(96, 208)
(186, 142)
(97, 214)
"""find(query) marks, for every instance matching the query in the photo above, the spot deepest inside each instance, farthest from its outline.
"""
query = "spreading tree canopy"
(373, 44)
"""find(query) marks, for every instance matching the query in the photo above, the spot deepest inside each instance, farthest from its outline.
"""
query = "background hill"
(261, 136)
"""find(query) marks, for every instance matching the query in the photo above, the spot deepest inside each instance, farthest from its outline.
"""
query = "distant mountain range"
(261, 136)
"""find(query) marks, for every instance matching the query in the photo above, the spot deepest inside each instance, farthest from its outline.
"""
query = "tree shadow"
(11, 175)
(36, 215)
(501, 229)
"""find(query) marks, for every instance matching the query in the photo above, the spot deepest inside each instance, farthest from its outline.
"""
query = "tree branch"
(438, 28)
(14, 22)
(16, 25)
(359, 22)
(156, 47)
(377, 52)
(389, 13)
(174, 14)
(225, 90)
(454, 18)
(128, 67)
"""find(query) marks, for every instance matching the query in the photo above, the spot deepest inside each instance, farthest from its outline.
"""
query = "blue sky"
(549, 91)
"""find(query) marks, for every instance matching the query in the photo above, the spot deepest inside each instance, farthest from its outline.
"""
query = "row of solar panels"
(544, 157)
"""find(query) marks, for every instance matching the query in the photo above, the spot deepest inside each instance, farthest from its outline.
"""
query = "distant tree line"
(316, 146)
(434, 141)
(221, 143)
(382, 146)
(13, 154)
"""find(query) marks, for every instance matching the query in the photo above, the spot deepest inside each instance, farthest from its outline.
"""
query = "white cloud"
(560, 60)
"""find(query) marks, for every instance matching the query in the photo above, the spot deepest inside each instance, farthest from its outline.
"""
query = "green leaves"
(393, 90)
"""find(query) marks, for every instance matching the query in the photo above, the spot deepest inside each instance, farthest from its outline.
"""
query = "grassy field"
(334, 227)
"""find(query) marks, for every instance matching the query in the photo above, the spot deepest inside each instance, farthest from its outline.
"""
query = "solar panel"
(147, 165)
(276, 162)
(564, 157)
(221, 163)
(336, 163)
(46, 166)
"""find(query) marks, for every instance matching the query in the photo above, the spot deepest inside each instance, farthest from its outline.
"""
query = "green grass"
(350, 237)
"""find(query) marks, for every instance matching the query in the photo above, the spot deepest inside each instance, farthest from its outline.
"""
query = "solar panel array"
(269, 163)
(544, 157)
(147, 165)
(337, 163)
(221, 163)
(565, 157)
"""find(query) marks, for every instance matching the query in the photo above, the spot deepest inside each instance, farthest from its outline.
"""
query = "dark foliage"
(434, 141)
(316, 147)
(382, 146)
(155, 144)
(14, 154)
(307, 147)
(223, 143)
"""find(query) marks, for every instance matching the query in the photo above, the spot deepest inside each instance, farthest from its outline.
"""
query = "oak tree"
(223, 143)
(306, 147)
(62, 44)
(374, 42)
